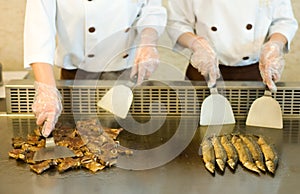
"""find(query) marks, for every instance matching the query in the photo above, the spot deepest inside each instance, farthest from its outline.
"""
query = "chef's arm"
(147, 58)
(204, 58)
(47, 105)
(271, 62)
(149, 36)
(278, 37)
(187, 39)
(43, 72)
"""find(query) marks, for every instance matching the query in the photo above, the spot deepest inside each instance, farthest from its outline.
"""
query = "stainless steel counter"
(183, 174)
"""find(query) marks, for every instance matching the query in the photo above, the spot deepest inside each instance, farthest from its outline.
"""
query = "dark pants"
(80, 74)
(243, 73)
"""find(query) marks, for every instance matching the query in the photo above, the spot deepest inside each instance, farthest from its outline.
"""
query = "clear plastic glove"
(205, 60)
(145, 63)
(271, 63)
(47, 106)
(147, 58)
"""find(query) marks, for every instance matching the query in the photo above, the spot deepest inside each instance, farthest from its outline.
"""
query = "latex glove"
(204, 59)
(271, 63)
(47, 106)
(147, 58)
(146, 62)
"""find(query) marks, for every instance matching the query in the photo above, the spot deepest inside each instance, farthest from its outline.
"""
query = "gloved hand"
(47, 106)
(271, 63)
(205, 60)
(145, 63)
(147, 58)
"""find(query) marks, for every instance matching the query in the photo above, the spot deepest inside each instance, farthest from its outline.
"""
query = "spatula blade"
(117, 100)
(216, 110)
(54, 152)
(265, 112)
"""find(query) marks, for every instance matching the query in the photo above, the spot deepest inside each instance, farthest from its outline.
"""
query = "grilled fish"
(255, 151)
(220, 154)
(232, 155)
(244, 154)
(208, 155)
(271, 157)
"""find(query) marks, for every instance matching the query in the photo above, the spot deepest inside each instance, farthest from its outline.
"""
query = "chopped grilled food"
(94, 166)
(68, 163)
(232, 155)
(95, 148)
(270, 155)
(255, 151)
(17, 154)
(220, 154)
(208, 155)
(113, 133)
(244, 154)
(17, 142)
(41, 167)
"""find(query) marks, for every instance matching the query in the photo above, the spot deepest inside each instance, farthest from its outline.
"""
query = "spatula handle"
(267, 93)
(49, 142)
(132, 81)
(213, 89)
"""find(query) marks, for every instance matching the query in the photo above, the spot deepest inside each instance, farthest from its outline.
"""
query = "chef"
(88, 39)
(238, 39)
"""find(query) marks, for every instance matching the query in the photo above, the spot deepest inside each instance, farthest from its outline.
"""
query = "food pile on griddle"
(95, 147)
(252, 151)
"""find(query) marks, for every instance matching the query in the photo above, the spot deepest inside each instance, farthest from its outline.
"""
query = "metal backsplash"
(172, 98)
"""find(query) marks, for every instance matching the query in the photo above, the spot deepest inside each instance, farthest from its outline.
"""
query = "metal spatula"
(52, 151)
(216, 110)
(265, 111)
(118, 99)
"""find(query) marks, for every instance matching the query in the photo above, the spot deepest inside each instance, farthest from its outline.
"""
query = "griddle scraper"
(52, 151)
(118, 99)
(265, 111)
(216, 109)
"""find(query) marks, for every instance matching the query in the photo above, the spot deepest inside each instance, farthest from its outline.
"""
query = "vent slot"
(184, 99)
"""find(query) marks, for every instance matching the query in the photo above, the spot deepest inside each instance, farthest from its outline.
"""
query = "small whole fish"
(208, 155)
(220, 153)
(255, 151)
(244, 154)
(270, 155)
(232, 155)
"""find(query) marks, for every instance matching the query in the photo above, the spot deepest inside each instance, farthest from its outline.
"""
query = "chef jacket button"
(90, 0)
(127, 30)
(245, 58)
(125, 56)
(91, 55)
(214, 28)
(249, 26)
(92, 29)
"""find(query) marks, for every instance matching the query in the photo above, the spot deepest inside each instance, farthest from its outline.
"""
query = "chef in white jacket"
(88, 39)
(238, 39)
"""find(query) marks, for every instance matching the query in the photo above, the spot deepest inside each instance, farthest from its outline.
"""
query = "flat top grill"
(169, 106)
(183, 174)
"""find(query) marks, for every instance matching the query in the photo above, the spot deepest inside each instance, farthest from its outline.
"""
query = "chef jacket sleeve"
(180, 20)
(39, 32)
(153, 15)
(284, 21)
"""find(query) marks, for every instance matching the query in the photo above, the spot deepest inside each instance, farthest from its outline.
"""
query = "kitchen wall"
(11, 41)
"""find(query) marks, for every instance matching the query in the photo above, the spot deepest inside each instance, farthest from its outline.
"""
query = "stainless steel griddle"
(183, 174)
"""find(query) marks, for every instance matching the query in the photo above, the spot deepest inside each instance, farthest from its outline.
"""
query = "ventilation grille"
(172, 98)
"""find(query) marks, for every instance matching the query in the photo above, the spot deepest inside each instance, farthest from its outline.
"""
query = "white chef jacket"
(93, 35)
(236, 29)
